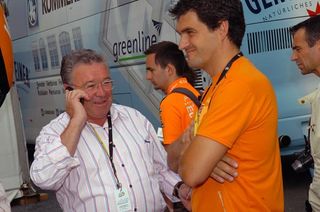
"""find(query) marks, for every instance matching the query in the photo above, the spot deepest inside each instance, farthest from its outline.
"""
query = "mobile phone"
(69, 88)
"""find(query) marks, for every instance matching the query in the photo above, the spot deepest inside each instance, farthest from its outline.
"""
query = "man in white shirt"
(99, 156)
(306, 54)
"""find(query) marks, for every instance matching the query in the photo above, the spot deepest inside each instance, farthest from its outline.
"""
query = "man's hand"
(187, 137)
(226, 169)
(185, 196)
(177, 148)
(74, 108)
(78, 117)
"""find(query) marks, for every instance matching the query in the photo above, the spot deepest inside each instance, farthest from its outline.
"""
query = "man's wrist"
(176, 189)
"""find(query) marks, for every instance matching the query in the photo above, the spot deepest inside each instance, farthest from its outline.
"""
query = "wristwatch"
(176, 189)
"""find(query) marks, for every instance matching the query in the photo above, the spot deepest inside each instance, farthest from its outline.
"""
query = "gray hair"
(82, 56)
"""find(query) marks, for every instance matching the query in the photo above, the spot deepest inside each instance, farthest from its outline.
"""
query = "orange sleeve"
(229, 112)
(171, 112)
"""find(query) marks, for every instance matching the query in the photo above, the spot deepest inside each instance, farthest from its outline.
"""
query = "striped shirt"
(86, 182)
(4, 202)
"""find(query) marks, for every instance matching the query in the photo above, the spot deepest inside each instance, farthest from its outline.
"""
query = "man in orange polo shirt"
(238, 116)
(167, 70)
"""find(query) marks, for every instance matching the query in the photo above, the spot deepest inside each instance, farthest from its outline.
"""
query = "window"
(52, 45)
(35, 55)
(43, 54)
(77, 39)
(65, 46)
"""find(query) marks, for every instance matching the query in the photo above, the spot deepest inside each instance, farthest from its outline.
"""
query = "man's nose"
(100, 91)
(183, 43)
(293, 56)
(148, 75)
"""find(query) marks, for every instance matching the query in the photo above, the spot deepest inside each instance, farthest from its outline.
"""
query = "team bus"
(43, 31)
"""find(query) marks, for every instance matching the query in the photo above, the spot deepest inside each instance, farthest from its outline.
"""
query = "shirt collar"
(117, 111)
(176, 83)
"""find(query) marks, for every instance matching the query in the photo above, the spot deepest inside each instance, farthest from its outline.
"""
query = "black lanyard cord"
(110, 137)
(111, 145)
(224, 72)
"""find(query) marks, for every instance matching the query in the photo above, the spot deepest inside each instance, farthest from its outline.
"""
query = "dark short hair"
(312, 27)
(212, 12)
(82, 56)
(167, 52)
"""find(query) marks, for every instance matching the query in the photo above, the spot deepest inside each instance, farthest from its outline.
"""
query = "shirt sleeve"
(170, 114)
(52, 161)
(230, 112)
(167, 178)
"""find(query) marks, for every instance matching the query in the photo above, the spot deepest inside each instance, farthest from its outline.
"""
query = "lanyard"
(222, 75)
(224, 72)
(111, 145)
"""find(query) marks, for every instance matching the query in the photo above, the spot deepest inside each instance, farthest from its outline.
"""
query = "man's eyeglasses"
(92, 86)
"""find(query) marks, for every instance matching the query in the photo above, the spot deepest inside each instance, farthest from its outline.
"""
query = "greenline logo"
(137, 57)
(123, 50)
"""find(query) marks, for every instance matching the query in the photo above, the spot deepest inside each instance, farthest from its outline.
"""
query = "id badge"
(122, 200)
(196, 123)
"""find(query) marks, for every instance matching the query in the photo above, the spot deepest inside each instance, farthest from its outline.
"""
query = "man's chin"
(305, 72)
(195, 66)
(194, 63)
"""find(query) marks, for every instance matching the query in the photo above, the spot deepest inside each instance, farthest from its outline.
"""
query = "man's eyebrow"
(187, 29)
(178, 32)
(92, 81)
(149, 69)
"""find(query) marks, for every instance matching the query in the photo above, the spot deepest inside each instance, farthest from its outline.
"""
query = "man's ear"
(224, 29)
(318, 44)
(65, 85)
(171, 69)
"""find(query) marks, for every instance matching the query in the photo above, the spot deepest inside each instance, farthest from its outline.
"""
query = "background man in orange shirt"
(168, 70)
(238, 116)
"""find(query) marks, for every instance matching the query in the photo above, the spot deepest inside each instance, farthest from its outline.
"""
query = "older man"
(99, 156)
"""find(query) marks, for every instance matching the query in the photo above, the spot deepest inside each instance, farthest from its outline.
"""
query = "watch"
(176, 188)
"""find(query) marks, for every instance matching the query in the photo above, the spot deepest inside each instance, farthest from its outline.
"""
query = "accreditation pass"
(122, 200)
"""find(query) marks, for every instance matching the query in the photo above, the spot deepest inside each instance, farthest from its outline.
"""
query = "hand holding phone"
(69, 88)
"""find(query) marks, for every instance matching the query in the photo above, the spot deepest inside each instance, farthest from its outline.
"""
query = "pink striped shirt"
(86, 181)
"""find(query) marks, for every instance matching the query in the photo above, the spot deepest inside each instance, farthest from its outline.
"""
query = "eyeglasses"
(93, 86)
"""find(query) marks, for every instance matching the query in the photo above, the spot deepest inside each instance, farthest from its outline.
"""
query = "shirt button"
(130, 186)
(122, 165)
(135, 209)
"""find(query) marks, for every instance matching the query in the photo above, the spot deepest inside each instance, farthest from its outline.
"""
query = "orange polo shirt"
(177, 110)
(241, 114)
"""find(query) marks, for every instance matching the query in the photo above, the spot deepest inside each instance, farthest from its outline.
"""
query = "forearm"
(174, 152)
(71, 135)
(52, 161)
(199, 160)
(52, 164)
